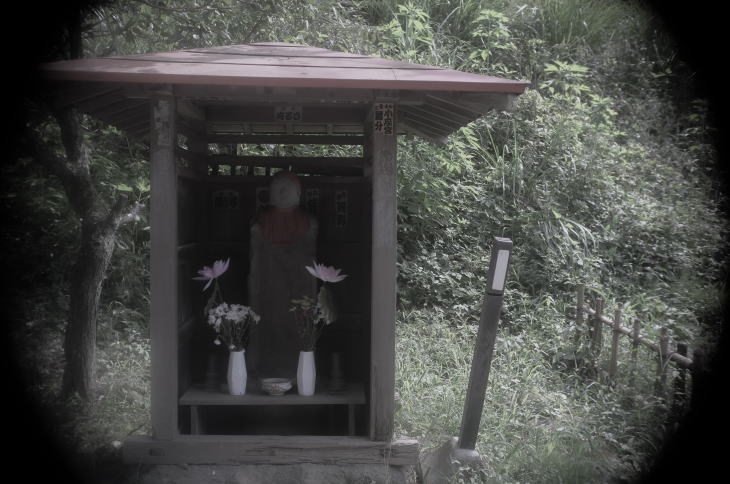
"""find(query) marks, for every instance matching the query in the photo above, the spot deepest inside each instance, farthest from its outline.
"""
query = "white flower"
(325, 273)
(210, 273)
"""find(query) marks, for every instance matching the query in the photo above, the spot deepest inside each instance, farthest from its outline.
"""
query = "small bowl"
(276, 386)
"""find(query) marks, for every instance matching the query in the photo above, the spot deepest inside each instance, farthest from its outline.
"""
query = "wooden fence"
(591, 319)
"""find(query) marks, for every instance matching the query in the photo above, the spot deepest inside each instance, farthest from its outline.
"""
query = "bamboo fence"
(592, 319)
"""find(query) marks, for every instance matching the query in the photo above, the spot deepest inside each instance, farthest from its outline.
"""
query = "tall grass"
(540, 423)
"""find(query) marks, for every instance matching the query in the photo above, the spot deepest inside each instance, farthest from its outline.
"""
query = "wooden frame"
(167, 444)
(163, 267)
(245, 449)
(382, 149)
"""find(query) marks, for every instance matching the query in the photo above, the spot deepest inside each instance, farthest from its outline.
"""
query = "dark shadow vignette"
(695, 452)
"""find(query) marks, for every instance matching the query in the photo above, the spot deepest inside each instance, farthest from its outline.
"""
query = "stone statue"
(283, 241)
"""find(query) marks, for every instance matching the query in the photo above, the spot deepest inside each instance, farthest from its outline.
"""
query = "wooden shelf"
(196, 396)
(353, 395)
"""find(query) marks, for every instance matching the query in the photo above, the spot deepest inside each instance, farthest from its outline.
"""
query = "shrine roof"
(263, 71)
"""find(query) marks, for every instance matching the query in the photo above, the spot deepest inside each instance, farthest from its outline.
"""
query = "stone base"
(440, 465)
(279, 474)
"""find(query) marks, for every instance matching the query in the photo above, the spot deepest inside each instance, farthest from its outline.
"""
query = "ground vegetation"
(605, 174)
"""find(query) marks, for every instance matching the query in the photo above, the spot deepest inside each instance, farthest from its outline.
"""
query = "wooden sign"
(341, 208)
(288, 113)
(384, 119)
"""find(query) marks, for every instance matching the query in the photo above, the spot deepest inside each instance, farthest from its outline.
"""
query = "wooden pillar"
(579, 309)
(163, 266)
(613, 362)
(381, 142)
(597, 331)
(635, 335)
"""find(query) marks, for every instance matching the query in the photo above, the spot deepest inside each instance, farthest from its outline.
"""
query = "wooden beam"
(284, 161)
(121, 106)
(383, 152)
(88, 97)
(437, 139)
(428, 122)
(163, 267)
(483, 102)
(253, 95)
(297, 139)
(325, 178)
(432, 112)
(412, 121)
(454, 106)
(139, 115)
(269, 449)
(266, 114)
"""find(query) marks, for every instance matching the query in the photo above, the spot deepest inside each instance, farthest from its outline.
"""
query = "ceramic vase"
(237, 372)
(306, 373)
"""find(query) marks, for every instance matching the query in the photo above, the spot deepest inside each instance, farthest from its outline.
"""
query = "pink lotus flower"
(210, 273)
(326, 273)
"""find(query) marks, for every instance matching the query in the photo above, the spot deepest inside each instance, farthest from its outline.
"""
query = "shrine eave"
(433, 102)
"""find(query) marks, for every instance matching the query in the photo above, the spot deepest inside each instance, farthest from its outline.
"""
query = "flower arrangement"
(231, 322)
(313, 315)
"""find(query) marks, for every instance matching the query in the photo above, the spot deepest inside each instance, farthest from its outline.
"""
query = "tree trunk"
(96, 249)
(99, 225)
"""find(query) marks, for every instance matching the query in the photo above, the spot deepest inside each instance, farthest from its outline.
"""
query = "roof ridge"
(416, 67)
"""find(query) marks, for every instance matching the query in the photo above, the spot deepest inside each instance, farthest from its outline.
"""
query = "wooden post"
(613, 364)
(662, 362)
(382, 150)
(635, 348)
(482, 360)
(163, 267)
(597, 331)
(579, 309)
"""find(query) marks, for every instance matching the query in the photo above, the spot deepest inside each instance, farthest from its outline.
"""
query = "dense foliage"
(602, 175)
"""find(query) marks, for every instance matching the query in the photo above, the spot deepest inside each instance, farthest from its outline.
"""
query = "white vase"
(237, 372)
(306, 373)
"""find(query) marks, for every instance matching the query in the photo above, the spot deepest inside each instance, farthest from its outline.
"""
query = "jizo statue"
(283, 242)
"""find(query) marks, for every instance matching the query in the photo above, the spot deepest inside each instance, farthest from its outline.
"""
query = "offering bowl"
(276, 386)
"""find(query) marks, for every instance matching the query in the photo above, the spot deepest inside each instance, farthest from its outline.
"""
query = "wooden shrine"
(219, 123)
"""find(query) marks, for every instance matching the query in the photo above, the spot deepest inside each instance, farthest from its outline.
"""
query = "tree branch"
(123, 212)
(76, 181)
